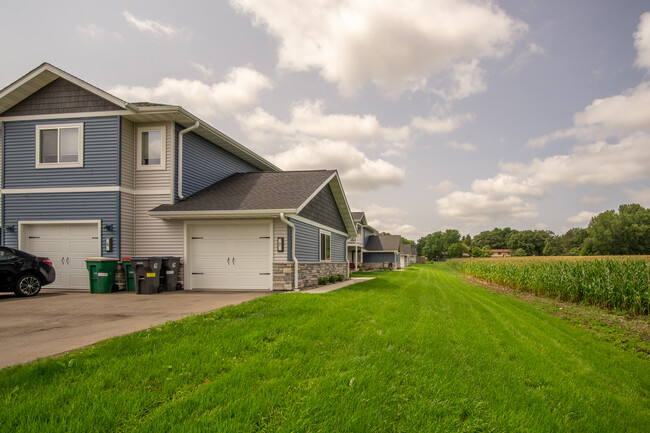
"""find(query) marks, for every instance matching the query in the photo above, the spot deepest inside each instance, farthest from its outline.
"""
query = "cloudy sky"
(467, 114)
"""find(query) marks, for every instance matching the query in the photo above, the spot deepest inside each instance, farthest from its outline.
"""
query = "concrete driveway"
(57, 321)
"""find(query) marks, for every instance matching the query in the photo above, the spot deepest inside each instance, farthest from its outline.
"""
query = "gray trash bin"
(146, 271)
(171, 266)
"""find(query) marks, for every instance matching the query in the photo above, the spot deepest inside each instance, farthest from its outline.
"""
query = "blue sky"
(437, 113)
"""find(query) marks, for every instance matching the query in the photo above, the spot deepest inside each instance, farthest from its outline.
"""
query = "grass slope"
(419, 350)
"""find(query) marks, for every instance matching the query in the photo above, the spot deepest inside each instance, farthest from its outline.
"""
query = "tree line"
(618, 233)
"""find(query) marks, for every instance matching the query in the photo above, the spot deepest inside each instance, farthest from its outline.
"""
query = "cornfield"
(614, 282)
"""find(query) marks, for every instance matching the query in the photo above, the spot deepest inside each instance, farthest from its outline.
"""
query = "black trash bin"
(147, 274)
(170, 268)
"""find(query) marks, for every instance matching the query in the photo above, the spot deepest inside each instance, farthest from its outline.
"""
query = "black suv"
(23, 273)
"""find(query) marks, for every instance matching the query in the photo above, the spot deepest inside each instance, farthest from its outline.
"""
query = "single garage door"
(230, 256)
(67, 245)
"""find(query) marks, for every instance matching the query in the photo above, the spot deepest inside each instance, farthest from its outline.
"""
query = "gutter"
(180, 158)
(293, 249)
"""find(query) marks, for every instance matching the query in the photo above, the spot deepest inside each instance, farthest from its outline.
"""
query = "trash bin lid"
(100, 259)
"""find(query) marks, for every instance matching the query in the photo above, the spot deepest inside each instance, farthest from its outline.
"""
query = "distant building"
(501, 253)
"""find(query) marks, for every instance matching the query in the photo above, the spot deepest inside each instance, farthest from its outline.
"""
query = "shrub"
(323, 280)
(340, 277)
(332, 278)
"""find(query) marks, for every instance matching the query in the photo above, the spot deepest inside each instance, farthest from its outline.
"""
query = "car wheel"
(28, 285)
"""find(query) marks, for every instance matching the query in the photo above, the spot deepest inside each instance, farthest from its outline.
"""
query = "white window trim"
(80, 146)
(320, 236)
(163, 152)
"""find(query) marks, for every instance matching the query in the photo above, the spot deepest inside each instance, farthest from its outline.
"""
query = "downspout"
(293, 249)
(180, 157)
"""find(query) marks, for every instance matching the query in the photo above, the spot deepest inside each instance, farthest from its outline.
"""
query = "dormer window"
(59, 146)
(151, 148)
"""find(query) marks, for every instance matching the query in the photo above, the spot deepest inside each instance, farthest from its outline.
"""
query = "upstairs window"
(59, 146)
(325, 246)
(151, 148)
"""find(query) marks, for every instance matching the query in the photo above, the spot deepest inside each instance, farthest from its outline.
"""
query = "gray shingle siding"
(322, 209)
(102, 206)
(101, 156)
(205, 163)
(59, 97)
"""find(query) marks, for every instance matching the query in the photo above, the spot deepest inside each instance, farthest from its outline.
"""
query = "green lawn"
(419, 350)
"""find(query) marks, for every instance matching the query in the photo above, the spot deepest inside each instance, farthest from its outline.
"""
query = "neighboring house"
(501, 253)
(86, 174)
(356, 245)
(382, 251)
(408, 255)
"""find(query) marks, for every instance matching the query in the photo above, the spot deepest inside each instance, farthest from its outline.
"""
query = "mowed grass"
(419, 350)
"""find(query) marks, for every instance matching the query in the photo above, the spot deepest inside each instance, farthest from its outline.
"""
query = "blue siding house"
(86, 174)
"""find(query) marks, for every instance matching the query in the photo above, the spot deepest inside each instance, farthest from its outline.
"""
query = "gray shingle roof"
(383, 243)
(254, 191)
(356, 216)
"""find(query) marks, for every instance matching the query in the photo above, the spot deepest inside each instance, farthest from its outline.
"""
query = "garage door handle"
(197, 273)
(228, 260)
(233, 261)
(67, 260)
(34, 237)
(63, 260)
(265, 237)
(265, 273)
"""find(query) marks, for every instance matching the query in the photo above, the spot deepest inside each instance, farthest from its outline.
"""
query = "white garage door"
(67, 245)
(230, 256)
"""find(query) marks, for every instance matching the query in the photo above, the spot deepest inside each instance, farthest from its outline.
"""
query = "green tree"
(532, 242)
(496, 238)
(519, 252)
(458, 249)
(625, 232)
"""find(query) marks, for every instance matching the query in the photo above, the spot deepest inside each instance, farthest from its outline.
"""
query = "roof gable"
(40, 77)
(383, 243)
(58, 97)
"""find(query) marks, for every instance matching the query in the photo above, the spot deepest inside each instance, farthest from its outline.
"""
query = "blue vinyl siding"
(102, 206)
(204, 163)
(338, 247)
(307, 244)
(378, 257)
(101, 155)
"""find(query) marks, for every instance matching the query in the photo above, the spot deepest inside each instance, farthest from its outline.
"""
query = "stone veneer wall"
(308, 273)
(375, 266)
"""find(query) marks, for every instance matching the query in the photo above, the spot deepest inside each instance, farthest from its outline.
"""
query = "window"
(151, 148)
(59, 146)
(325, 246)
(6, 255)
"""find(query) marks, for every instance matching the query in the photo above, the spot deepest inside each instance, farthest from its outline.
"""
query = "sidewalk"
(336, 286)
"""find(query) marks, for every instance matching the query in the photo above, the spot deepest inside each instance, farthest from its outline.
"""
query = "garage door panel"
(67, 245)
(231, 256)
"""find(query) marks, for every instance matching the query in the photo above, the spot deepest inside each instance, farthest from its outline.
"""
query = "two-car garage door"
(230, 255)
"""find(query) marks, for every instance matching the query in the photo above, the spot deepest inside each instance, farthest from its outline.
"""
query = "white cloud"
(467, 80)
(390, 220)
(525, 58)
(477, 207)
(642, 42)
(150, 26)
(396, 46)
(358, 172)
(503, 185)
(440, 125)
(308, 121)
(238, 91)
(206, 72)
(458, 145)
(444, 187)
(91, 31)
(581, 218)
(593, 164)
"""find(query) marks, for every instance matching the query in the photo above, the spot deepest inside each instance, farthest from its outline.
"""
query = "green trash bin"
(129, 274)
(101, 271)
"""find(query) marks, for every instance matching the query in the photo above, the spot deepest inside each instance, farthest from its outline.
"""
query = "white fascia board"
(66, 116)
(226, 214)
(315, 193)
